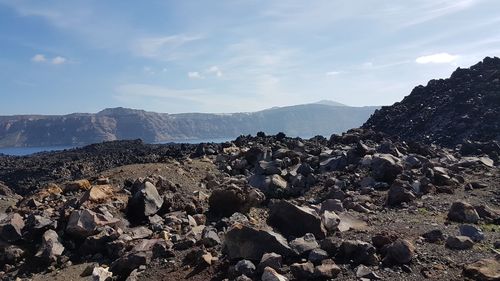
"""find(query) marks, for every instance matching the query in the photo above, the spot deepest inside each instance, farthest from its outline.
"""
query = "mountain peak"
(119, 111)
(330, 103)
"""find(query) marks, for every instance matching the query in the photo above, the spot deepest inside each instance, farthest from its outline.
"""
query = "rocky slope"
(122, 123)
(465, 106)
(356, 206)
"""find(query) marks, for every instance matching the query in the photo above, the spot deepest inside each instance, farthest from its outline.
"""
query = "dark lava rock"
(293, 220)
(463, 212)
(51, 247)
(145, 202)
(447, 111)
(244, 242)
(11, 227)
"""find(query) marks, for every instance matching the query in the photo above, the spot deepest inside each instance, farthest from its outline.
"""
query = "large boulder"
(146, 201)
(400, 192)
(245, 242)
(51, 247)
(273, 186)
(11, 227)
(399, 252)
(483, 270)
(225, 202)
(463, 212)
(293, 220)
(386, 167)
(83, 223)
(358, 252)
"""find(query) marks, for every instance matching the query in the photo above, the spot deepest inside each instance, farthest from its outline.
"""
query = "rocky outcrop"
(449, 111)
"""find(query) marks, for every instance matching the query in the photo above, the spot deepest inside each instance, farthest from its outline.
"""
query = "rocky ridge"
(124, 124)
(465, 106)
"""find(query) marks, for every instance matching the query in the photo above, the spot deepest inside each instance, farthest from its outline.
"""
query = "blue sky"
(232, 55)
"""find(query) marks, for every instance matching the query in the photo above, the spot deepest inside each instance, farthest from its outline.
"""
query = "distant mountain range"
(322, 118)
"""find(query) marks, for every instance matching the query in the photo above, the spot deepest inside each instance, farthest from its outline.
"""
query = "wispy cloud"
(41, 58)
(215, 70)
(58, 60)
(437, 58)
(163, 47)
(333, 73)
(38, 58)
(195, 75)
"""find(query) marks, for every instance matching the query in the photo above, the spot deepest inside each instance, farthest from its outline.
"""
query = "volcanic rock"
(271, 275)
(244, 242)
(465, 106)
(51, 247)
(483, 270)
(11, 227)
(293, 220)
(459, 242)
(145, 202)
(463, 212)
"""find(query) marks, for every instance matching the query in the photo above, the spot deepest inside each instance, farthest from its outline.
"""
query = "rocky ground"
(361, 206)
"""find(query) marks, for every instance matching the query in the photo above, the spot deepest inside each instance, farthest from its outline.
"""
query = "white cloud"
(215, 70)
(195, 75)
(332, 73)
(39, 58)
(58, 60)
(437, 58)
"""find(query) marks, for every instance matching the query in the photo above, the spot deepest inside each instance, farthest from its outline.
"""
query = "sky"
(58, 57)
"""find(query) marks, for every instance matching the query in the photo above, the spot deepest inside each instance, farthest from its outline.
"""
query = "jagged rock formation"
(465, 106)
(123, 124)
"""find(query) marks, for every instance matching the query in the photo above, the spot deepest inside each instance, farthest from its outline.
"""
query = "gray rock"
(399, 192)
(232, 199)
(334, 205)
(245, 242)
(366, 273)
(304, 245)
(101, 274)
(210, 238)
(302, 271)
(358, 252)
(271, 275)
(330, 220)
(126, 264)
(317, 255)
(473, 232)
(273, 186)
(463, 212)
(11, 227)
(483, 270)
(51, 247)
(271, 260)
(326, 271)
(245, 267)
(146, 201)
(399, 252)
(83, 223)
(459, 242)
(385, 167)
(336, 163)
(294, 220)
(434, 236)
(11, 255)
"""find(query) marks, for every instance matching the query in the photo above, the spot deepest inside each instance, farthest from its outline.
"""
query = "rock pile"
(278, 209)
(449, 111)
